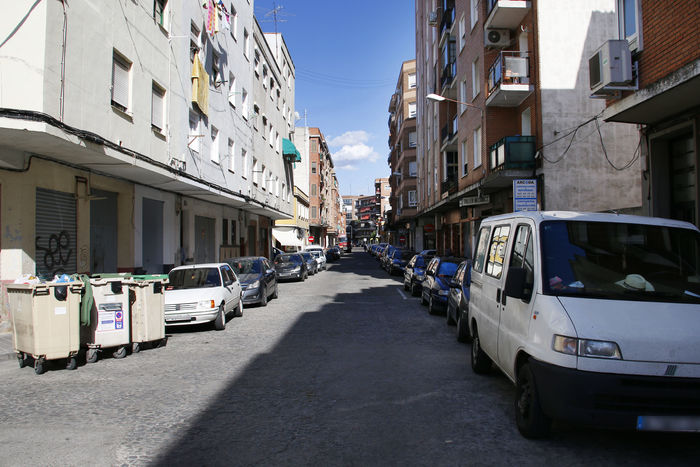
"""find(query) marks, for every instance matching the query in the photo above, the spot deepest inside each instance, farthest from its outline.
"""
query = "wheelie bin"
(45, 322)
(107, 299)
(146, 298)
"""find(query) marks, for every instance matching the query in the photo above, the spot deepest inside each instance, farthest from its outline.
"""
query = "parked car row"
(210, 293)
(593, 317)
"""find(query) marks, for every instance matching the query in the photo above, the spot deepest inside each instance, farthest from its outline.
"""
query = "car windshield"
(193, 278)
(621, 261)
(420, 262)
(316, 253)
(447, 269)
(307, 256)
(288, 259)
(246, 266)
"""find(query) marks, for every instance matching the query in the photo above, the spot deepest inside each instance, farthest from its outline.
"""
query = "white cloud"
(349, 138)
(355, 152)
(347, 167)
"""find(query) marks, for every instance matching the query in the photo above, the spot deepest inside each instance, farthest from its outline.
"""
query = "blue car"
(458, 300)
(398, 261)
(414, 273)
(436, 286)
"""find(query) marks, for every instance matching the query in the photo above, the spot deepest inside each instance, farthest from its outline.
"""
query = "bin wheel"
(120, 352)
(91, 355)
(39, 365)
(135, 347)
(71, 363)
(22, 360)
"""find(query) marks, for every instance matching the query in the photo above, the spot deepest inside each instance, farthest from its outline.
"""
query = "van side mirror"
(515, 283)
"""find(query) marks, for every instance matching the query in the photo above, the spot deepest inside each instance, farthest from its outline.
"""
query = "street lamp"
(439, 98)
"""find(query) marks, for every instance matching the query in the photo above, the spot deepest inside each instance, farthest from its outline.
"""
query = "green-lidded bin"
(147, 305)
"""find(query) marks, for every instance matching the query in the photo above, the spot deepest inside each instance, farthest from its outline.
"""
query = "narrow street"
(343, 369)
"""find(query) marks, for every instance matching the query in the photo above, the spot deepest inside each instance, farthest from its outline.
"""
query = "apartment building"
(503, 102)
(129, 137)
(659, 93)
(402, 158)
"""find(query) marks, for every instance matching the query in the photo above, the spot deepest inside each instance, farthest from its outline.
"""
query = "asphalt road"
(343, 369)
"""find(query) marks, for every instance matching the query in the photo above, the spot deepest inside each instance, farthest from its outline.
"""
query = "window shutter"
(120, 82)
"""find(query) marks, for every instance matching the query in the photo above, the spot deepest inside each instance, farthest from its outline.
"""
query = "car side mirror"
(453, 284)
(515, 283)
(429, 273)
(269, 271)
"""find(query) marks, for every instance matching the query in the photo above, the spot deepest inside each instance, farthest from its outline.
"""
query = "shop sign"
(474, 200)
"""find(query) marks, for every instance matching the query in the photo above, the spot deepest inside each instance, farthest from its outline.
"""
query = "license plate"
(177, 318)
(668, 423)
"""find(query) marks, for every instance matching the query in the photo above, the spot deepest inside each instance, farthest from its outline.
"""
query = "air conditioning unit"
(496, 37)
(610, 69)
(432, 18)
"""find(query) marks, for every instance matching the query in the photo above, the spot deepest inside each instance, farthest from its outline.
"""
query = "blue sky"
(347, 55)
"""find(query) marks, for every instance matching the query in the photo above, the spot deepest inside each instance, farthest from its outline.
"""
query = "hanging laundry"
(212, 17)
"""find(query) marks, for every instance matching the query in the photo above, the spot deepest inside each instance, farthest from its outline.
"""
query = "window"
(497, 251)
(232, 90)
(256, 172)
(474, 4)
(462, 34)
(465, 158)
(481, 246)
(628, 22)
(314, 212)
(233, 18)
(194, 141)
(216, 78)
(160, 12)
(313, 189)
(411, 80)
(157, 107)
(412, 202)
(413, 169)
(244, 103)
(412, 139)
(231, 155)
(264, 178)
(313, 167)
(195, 43)
(214, 151)
(526, 122)
(411, 110)
(477, 147)
(522, 257)
(246, 43)
(244, 163)
(476, 86)
(314, 145)
(121, 71)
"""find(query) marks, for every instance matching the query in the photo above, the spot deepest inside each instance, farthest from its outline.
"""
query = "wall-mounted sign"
(525, 195)
(474, 200)
(428, 228)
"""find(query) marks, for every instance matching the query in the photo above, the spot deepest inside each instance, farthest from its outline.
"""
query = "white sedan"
(202, 293)
(319, 256)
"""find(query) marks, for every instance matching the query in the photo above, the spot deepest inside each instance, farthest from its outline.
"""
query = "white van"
(594, 317)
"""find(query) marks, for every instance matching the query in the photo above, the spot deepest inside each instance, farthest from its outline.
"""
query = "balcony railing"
(448, 74)
(448, 19)
(448, 186)
(513, 152)
(505, 14)
(509, 79)
(449, 131)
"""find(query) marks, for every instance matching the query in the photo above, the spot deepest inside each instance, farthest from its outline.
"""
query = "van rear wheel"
(529, 417)
(481, 363)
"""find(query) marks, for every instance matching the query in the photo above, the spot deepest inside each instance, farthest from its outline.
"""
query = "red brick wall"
(670, 37)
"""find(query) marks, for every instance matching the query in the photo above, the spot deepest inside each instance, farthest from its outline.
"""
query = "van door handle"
(498, 295)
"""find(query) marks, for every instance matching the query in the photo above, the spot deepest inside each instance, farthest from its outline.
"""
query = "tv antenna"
(276, 15)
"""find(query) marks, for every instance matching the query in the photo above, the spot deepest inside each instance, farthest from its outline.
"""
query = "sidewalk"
(6, 349)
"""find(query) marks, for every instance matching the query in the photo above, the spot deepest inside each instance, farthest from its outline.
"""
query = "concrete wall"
(581, 178)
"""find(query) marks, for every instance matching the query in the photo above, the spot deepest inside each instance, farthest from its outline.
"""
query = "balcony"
(509, 80)
(448, 19)
(449, 132)
(506, 14)
(511, 158)
(448, 75)
(448, 187)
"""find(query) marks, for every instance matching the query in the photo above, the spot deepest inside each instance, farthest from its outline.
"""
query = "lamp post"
(439, 98)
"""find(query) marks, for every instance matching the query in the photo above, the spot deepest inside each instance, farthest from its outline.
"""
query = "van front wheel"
(529, 417)
(481, 363)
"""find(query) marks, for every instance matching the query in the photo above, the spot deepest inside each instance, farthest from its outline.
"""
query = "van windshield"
(620, 261)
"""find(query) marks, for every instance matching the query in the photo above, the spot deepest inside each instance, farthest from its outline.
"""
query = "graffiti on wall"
(55, 255)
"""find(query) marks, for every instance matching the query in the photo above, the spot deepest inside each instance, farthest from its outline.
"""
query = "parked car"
(257, 277)
(414, 274)
(202, 293)
(380, 249)
(458, 300)
(428, 252)
(333, 253)
(291, 266)
(398, 260)
(435, 287)
(594, 318)
(320, 257)
(311, 263)
(384, 257)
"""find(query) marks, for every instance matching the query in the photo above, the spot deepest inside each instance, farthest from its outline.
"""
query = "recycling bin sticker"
(119, 320)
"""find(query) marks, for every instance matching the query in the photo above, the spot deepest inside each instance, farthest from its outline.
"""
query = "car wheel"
(414, 289)
(450, 321)
(431, 308)
(462, 329)
(220, 321)
(423, 301)
(481, 363)
(263, 298)
(529, 417)
(239, 309)
(405, 286)
(276, 293)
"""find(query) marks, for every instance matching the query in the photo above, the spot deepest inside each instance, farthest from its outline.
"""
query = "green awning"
(289, 150)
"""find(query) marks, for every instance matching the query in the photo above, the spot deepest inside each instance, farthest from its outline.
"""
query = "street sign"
(311, 239)
(525, 195)
(402, 239)
(474, 200)
(428, 228)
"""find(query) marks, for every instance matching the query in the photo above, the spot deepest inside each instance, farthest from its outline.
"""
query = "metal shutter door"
(55, 239)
